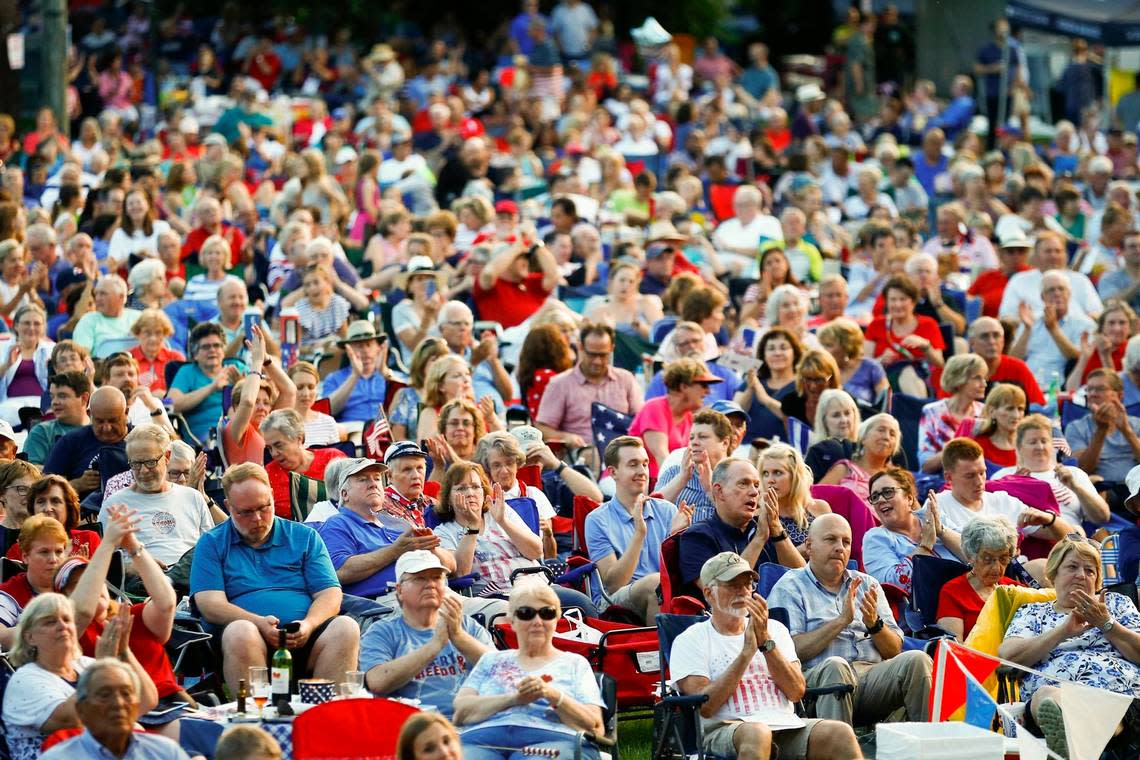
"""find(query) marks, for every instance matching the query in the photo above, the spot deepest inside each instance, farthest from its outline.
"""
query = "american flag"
(377, 435)
(799, 435)
(1060, 444)
(607, 424)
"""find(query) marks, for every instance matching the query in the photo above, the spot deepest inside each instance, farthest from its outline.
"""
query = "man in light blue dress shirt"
(844, 632)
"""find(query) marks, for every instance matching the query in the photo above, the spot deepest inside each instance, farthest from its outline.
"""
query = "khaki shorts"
(792, 742)
(623, 597)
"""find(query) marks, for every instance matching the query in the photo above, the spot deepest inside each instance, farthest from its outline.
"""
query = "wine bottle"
(242, 694)
(281, 672)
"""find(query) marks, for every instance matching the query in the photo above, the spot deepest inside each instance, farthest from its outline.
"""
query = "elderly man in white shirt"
(738, 239)
(1025, 287)
(1047, 341)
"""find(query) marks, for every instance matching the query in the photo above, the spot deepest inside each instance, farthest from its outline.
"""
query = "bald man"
(844, 632)
(73, 456)
(987, 339)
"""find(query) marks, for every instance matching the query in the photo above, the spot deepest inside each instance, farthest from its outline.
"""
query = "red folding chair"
(626, 653)
(350, 729)
(673, 603)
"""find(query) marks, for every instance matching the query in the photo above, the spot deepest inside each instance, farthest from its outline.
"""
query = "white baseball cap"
(1132, 480)
(416, 561)
(526, 435)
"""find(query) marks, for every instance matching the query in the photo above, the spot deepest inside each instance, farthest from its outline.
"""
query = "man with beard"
(748, 667)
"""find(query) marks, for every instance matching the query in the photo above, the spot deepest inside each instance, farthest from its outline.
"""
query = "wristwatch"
(1108, 626)
(878, 626)
(471, 532)
(782, 537)
(767, 646)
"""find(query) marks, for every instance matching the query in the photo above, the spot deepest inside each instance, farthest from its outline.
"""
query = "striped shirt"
(320, 324)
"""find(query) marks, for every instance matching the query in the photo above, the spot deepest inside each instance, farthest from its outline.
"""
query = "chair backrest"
(340, 729)
(527, 509)
(669, 627)
(531, 475)
(323, 405)
(661, 328)
(1037, 493)
(769, 572)
(928, 576)
(114, 345)
(672, 582)
(720, 200)
(1071, 411)
(583, 505)
(947, 331)
(170, 370)
(973, 309)
(843, 501)
(607, 424)
(908, 411)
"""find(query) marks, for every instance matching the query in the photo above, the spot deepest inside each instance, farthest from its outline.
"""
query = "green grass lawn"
(635, 739)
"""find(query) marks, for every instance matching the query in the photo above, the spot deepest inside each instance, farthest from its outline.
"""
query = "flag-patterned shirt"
(703, 651)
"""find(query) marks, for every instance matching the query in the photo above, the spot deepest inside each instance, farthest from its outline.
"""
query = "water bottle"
(1051, 407)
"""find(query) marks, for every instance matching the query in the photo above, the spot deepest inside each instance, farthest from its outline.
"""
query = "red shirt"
(511, 303)
(147, 649)
(927, 328)
(83, 544)
(958, 599)
(990, 286)
(265, 68)
(234, 236)
(19, 589)
(279, 479)
(1015, 371)
(152, 373)
(1003, 457)
(537, 388)
(1094, 362)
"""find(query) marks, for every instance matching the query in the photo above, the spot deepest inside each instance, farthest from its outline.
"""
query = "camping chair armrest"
(822, 691)
(685, 700)
(463, 582)
(537, 570)
(575, 574)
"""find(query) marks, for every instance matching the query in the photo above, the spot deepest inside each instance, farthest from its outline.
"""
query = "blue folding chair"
(928, 576)
(908, 411)
(769, 573)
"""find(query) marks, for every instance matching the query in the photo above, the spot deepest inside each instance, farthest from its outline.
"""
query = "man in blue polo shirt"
(358, 390)
(744, 523)
(255, 572)
(625, 541)
(369, 533)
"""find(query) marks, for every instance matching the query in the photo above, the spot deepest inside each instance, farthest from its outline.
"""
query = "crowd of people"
(311, 331)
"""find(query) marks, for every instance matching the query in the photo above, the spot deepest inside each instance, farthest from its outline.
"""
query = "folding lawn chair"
(343, 728)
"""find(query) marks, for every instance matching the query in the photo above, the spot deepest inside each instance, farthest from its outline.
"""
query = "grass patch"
(635, 739)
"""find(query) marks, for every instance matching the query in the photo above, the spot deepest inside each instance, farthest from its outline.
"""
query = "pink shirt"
(656, 415)
(566, 403)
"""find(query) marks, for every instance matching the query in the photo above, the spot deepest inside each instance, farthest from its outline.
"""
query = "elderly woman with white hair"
(214, 257)
(964, 378)
(867, 195)
(787, 307)
(988, 544)
(534, 697)
(879, 439)
(17, 284)
(149, 289)
(40, 698)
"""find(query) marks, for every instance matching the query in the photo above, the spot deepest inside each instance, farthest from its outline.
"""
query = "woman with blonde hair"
(320, 428)
(214, 256)
(428, 736)
(1105, 348)
(448, 378)
(624, 306)
(879, 439)
(996, 429)
(786, 483)
(404, 411)
(834, 432)
(461, 428)
(859, 375)
(964, 379)
(17, 286)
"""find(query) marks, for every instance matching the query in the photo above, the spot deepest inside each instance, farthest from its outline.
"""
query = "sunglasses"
(1077, 538)
(528, 613)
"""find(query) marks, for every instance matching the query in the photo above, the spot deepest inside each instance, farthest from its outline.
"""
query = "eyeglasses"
(20, 490)
(884, 495)
(244, 513)
(989, 559)
(528, 613)
(468, 489)
(816, 380)
(149, 464)
(210, 346)
(178, 474)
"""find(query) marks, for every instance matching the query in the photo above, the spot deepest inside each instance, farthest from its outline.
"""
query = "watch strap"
(1108, 625)
(782, 537)
(878, 626)
(768, 646)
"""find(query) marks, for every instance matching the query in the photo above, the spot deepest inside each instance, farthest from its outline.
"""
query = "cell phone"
(290, 627)
(431, 288)
(160, 711)
(249, 319)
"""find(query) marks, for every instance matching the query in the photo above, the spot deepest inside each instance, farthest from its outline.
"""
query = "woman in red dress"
(903, 336)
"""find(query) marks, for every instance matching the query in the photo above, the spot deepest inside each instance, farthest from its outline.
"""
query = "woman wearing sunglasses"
(889, 549)
(535, 696)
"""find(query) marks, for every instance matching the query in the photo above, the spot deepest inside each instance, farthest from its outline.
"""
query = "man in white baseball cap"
(427, 650)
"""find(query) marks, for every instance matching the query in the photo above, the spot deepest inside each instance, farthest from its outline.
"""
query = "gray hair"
(828, 399)
(287, 422)
(116, 281)
(83, 687)
(916, 259)
(150, 432)
(720, 472)
(958, 369)
(145, 272)
(776, 300)
(866, 426)
(1056, 274)
(502, 442)
(1132, 354)
(39, 608)
(39, 233)
(453, 308)
(992, 533)
(334, 477)
(182, 450)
